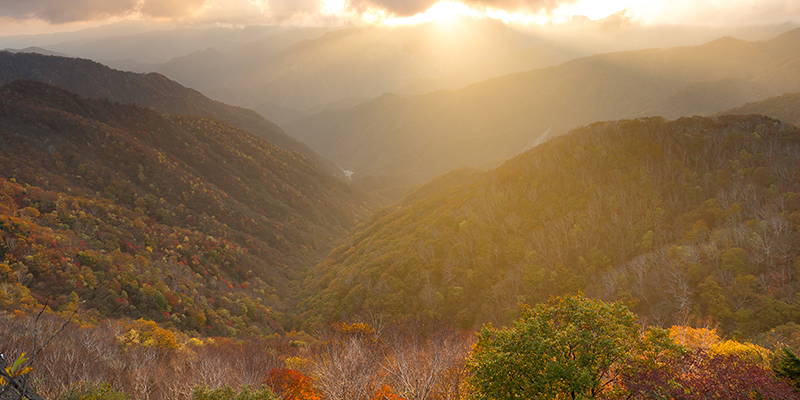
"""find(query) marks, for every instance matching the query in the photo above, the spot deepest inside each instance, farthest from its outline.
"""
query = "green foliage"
(228, 393)
(788, 366)
(571, 347)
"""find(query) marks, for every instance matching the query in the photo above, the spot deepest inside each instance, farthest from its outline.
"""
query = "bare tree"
(418, 360)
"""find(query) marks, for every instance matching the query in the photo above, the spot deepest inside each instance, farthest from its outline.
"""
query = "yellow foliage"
(147, 333)
(694, 338)
(297, 363)
(748, 351)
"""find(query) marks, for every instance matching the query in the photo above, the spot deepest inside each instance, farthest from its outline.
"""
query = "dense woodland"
(685, 221)
(186, 221)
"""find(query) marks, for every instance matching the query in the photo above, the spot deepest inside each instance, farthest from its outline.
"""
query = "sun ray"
(443, 11)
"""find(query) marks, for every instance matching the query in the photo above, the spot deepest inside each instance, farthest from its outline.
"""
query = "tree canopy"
(570, 347)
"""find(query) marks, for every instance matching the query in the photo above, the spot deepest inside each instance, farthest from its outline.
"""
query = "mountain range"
(92, 79)
(419, 137)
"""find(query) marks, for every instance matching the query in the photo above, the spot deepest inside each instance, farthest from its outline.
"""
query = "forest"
(129, 212)
(147, 255)
(687, 221)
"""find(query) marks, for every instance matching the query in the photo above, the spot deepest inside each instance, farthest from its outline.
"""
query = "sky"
(19, 17)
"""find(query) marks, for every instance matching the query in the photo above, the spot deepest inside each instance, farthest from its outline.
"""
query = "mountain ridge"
(93, 79)
(503, 115)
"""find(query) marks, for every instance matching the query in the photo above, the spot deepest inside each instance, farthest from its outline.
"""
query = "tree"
(417, 358)
(291, 385)
(701, 375)
(346, 366)
(571, 347)
(788, 366)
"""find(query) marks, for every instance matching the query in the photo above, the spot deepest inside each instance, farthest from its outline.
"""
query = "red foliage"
(291, 385)
(700, 375)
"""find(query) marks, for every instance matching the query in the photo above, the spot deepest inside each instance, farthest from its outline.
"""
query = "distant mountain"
(424, 136)
(538, 56)
(185, 220)
(785, 108)
(304, 68)
(694, 219)
(158, 46)
(36, 50)
(364, 62)
(92, 79)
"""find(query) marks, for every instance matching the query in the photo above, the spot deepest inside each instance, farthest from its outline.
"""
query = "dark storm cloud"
(411, 7)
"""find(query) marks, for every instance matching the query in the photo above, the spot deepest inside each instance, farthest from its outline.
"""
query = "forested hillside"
(785, 108)
(425, 136)
(187, 221)
(686, 221)
(91, 79)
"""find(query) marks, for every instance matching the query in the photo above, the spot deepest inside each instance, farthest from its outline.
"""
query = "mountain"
(92, 79)
(184, 220)
(37, 50)
(364, 62)
(785, 108)
(424, 136)
(538, 56)
(160, 45)
(695, 219)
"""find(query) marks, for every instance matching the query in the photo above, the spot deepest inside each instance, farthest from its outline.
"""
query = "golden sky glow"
(34, 16)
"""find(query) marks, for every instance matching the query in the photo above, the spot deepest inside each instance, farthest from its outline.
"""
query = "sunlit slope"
(785, 108)
(92, 79)
(184, 220)
(426, 135)
(692, 219)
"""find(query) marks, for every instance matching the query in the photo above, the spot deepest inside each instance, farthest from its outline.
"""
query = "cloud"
(170, 8)
(63, 11)
(287, 9)
(242, 12)
(66, 11)
(405, 8)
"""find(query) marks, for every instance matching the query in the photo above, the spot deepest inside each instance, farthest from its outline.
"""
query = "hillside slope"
(785, 108)
(689, 220)
(91, 79)
(424, 136)
(184, 220)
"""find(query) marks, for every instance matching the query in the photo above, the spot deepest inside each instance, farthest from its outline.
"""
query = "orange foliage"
(386, 393)
(291, 385)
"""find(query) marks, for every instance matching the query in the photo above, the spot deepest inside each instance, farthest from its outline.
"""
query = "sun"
(444, 12)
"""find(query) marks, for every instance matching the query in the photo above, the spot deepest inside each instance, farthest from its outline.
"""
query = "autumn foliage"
(291, 385)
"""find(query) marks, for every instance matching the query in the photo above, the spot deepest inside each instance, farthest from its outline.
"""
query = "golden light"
(594, 9)
(448, 11)
(443, 12)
